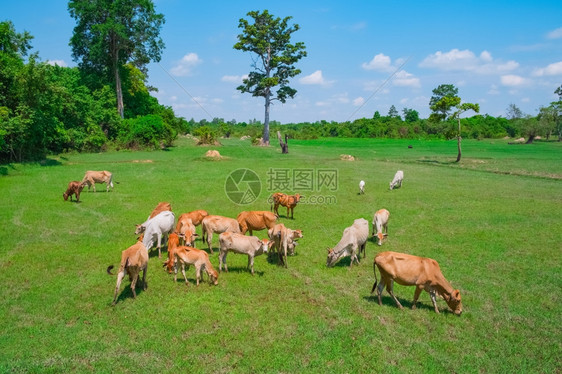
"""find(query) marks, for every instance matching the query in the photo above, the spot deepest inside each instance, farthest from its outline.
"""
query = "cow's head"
(454, 302)
(265, 244)
(332, 258)
(381, 237)
(65, 196)
(139, 229)
(297, 234)
(391, 185)
(213, 276)
(297, 198)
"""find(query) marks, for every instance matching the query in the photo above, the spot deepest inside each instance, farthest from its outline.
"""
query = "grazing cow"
(133, 260)
(288, 201)
(409, 270)
(74, 188)
(380, 222)
(156, 228)
(255, 220)
(186, 230)
(173, 243)
(361, 187)
(353, 240)
(284, 241)
(242, 244)
(200, 259)
(397, 180)
(218, 224)
(93, 177)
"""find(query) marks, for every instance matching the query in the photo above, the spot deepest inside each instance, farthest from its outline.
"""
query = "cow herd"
(405, 269)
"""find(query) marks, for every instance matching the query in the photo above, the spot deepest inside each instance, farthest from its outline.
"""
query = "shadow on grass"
(243, 269)
(437, 162)
(127, 293)
(49, 162)
(407, 304)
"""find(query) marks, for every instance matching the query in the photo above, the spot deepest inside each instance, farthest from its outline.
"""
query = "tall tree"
(410, 115)
(513, 112)
(393, 113)
(269, 38)
(112, 33)
(446, 105)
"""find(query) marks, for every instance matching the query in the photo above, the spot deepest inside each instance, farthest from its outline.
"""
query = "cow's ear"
(457, 294)
(195, 235)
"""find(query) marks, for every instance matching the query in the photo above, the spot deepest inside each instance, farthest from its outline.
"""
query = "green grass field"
(493, 222)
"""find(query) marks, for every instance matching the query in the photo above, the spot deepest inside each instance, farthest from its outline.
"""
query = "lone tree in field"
(446, 105)
(269, 39)
(112, 33)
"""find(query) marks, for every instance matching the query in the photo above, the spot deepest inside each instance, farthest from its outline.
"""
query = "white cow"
(380, 222)
(353, 240)
(362, 187)
(397, 181)
(156, 228)
(242, 244)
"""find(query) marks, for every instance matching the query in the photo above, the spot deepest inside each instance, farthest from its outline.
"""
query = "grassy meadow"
(493, 222)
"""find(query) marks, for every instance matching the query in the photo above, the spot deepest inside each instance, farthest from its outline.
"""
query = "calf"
(353, 240)
(239, 243)
(409, 270)
(133, 260)
(288, 201)
(173, 243)
(157, 228)
(93, 177)
(397, 180)
(186, 230)
(218, 224)
(380, 222)
(361, 187)
(187, 256)
(255, 220)
(74, 188)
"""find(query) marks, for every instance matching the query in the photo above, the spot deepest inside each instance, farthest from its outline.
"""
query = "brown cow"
(93, 177)
(196, 216)
(74, 188)
(133, 260)
(192, 256)
(173, 243)
(255, 220)
(288, 201)
(284, 241)
(186, 231)
(161, 207)
(409, 270)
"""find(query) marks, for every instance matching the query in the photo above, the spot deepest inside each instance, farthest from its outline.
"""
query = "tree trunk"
(530, 140)
(284, 146)
(118, 90)
(265, 138)
(459, 139)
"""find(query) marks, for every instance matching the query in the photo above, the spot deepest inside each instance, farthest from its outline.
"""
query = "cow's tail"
(374, 271)
(109, 270)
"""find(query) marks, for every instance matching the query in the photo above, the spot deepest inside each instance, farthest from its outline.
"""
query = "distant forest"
(47, 109)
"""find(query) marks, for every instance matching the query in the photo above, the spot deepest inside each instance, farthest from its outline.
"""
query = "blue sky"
(495, 52)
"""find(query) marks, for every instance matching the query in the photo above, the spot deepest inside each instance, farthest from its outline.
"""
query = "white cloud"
(234, 78)
(358, 101)
(552, 69)
(185, 66)
(493, 90)
(315, 78)
(513, 80)
(555, 34)
(466, 60)
(379, 63)
(60, 63)
(405, 79)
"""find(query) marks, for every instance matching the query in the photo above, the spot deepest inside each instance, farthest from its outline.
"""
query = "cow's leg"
(251, 263)
(434, 301)
(134, 284)
(119, 279)
(209, 240)
(183, 272)
(390, 289)
(222, 260)
(198, 274)
(380, 288)
(144, 284)
(417, 293)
